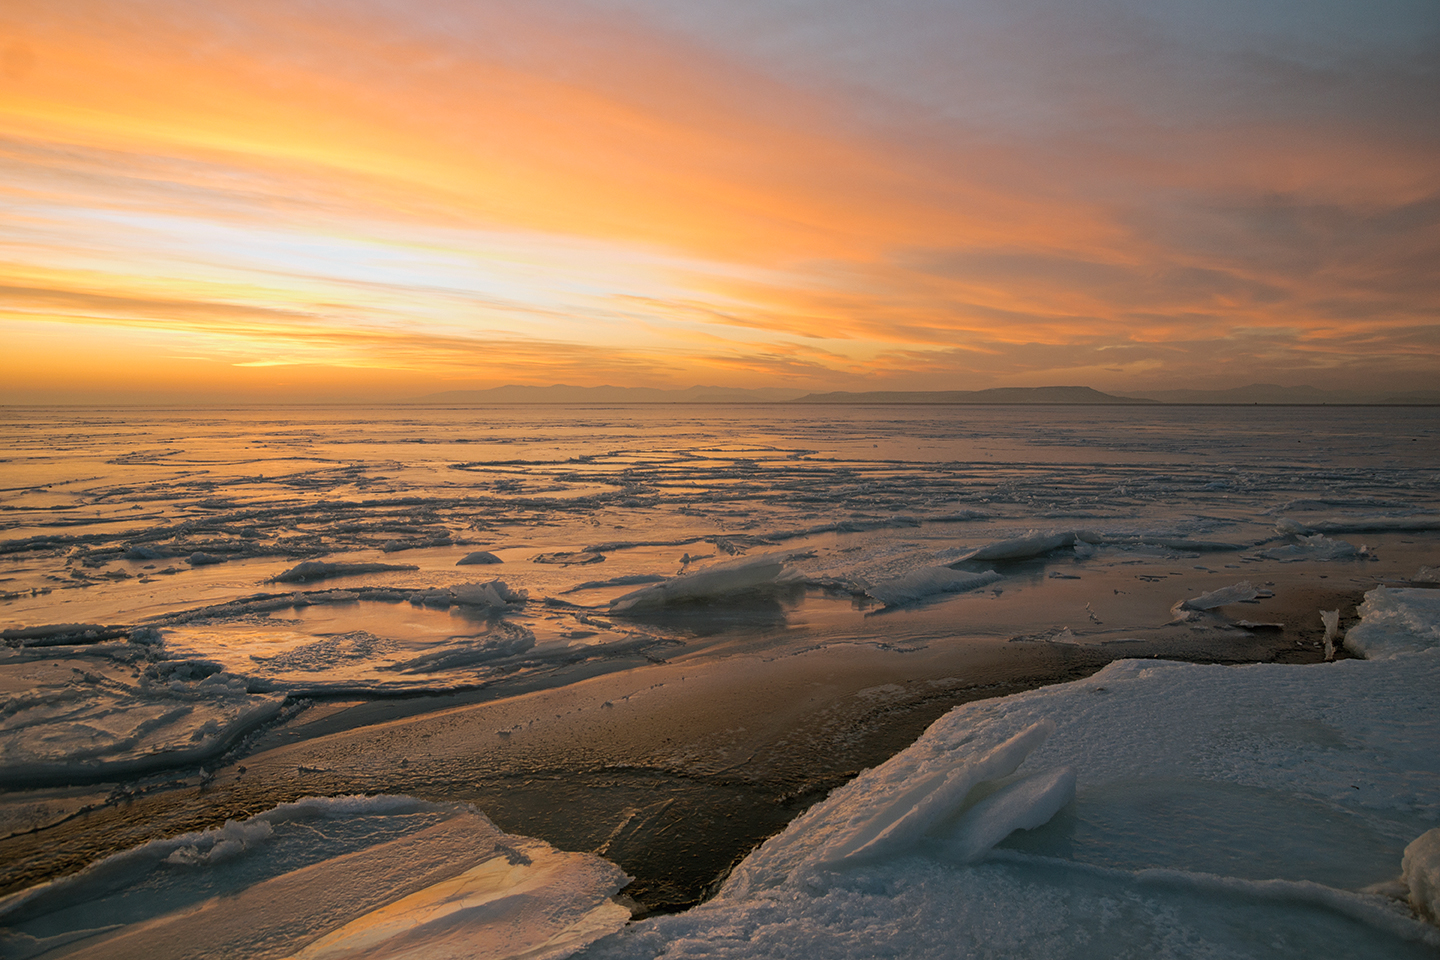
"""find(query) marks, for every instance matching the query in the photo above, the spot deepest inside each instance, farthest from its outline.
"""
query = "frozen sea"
(274, 679)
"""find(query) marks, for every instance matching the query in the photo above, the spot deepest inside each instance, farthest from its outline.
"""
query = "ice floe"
(335, 877)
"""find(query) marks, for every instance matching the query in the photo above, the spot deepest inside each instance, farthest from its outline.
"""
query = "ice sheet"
(111, 710)
(325, 877)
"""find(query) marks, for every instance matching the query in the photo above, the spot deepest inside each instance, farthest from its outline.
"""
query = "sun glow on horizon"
(592, 191)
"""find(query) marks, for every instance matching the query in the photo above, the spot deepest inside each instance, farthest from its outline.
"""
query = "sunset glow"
(375, 200)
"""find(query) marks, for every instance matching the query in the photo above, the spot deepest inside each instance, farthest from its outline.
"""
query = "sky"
(364, 200)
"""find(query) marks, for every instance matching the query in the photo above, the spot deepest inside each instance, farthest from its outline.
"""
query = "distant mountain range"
(1270, 393)
(1083, 395)
(562, 393)
(1258, 393)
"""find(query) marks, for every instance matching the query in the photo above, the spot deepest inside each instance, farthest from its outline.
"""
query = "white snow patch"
(1396, 621)
(1420, 872)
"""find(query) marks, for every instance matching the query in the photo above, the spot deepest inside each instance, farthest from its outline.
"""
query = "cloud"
(814, 191)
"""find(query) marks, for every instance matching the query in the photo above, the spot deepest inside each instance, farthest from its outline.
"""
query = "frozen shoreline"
(687, 630)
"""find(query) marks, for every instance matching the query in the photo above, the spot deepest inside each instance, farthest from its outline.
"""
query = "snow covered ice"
(1217, 811)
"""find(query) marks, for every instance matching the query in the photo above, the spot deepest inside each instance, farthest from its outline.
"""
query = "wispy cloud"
(937, 194)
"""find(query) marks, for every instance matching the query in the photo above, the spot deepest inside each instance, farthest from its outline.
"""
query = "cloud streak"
(942, 196)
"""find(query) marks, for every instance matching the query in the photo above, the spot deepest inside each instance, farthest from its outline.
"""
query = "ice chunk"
(628, 580)
(720, 580)
(1023, 805)
(140, 551)
(927, 582)
(62, 634)
(1032, 544)
(1331, 620)
(1396, 621)
(1420, 871)
(1235, 593)
(221, 843)
(899, 818)
(1287, 525)
(494, 595)
(478, 557)
(320, 570)
(569, 558)
(1315, 547)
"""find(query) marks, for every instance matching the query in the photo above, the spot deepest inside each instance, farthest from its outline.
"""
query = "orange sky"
(372, 200)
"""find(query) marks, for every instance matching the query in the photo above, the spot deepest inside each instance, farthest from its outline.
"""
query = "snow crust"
(336, 877)
(1164, 810)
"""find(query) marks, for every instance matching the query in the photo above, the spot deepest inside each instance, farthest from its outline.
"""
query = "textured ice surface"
(1396, 622)
(335, 877)
(1420, 872)
(894, 822)
(112, 709)
(1218, 811)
